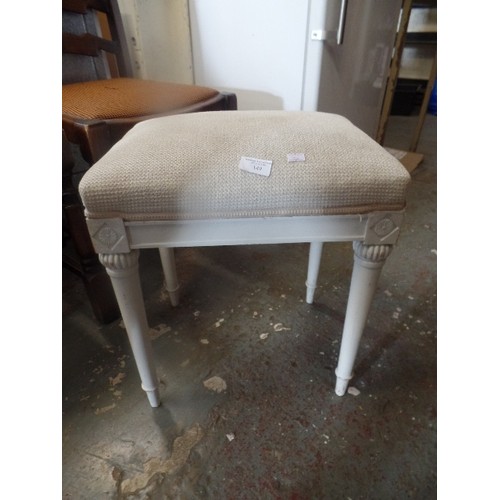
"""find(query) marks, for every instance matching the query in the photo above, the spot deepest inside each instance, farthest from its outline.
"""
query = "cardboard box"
(409, 160)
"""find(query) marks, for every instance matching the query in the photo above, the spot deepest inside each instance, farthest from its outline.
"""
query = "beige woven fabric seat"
(177, 181)
(186, 167)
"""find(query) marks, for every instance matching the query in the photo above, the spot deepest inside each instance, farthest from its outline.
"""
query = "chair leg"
(171, 282)
(123, 270)
(79, 256)
(368, 263)
(85, 263)
(315, 251)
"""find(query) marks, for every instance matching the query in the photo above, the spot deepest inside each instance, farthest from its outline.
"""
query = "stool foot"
(153, 396)
(341, 385)
(368, 263)
(123, 270)
(315, 251)
(171, 281)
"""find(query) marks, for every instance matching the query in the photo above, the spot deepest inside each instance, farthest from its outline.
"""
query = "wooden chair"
(101, 101)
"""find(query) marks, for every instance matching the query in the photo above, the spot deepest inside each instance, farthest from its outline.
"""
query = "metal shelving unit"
(407, 37)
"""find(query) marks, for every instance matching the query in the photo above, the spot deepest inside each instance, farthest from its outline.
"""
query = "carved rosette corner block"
(108, 235)
(384, 228)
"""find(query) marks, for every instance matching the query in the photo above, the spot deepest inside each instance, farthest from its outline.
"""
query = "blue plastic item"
(432, 108)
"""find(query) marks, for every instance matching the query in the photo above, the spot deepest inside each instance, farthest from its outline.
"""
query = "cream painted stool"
(239, 178)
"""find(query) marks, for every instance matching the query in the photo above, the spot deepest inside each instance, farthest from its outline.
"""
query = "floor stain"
(180, 453)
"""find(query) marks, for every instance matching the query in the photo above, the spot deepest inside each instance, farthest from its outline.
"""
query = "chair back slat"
(82, 6)
(87, 44)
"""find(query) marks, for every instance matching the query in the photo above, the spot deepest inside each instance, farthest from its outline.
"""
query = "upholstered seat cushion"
(187, 167)
(128, 97)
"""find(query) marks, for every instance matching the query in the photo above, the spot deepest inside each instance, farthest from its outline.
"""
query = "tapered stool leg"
(315, 251)
(368, 262)
(123, 270)
(170, 273)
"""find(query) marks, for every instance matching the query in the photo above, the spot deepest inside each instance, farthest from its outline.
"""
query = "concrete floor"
(277, 431)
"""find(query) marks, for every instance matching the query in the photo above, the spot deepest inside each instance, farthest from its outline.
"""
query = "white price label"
(256, 166)
(295, 157)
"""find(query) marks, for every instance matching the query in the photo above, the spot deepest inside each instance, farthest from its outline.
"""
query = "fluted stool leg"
(368, 263)
(123, 270)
